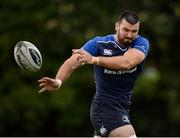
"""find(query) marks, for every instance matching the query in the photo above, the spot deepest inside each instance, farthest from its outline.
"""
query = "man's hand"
(84, 57)
(49, 84)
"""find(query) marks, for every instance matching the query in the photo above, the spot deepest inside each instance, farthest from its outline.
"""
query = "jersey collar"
(118, 45)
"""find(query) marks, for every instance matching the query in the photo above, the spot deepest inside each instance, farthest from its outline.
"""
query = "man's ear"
(116, 26)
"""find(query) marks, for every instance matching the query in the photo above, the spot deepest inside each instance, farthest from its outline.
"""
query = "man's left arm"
(131, 58)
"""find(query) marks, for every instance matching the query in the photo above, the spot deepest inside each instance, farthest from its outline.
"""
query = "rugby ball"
(27, 56)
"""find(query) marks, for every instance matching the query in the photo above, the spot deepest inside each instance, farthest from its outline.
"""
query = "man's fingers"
(45, 79)
(42, 84)
(42, 81)
(77, 51)
(42, 90)
(82, 63)
(74, 51)
(80, 59)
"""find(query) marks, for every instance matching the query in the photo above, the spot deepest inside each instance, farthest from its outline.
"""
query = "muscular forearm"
(127, 61)
(64, 72)
(67, 68)
(115, 63)
(131, 58)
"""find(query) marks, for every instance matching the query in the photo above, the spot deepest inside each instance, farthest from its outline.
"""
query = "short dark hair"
(130, 16)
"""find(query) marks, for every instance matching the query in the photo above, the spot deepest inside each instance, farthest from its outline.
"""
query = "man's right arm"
(68, 67)
(64, 72)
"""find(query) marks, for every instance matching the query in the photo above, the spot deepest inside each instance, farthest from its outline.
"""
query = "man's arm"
(67, 68)
(50, 84)
(131, 58)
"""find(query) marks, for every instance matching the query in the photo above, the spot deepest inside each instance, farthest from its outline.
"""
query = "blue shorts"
(107, 115)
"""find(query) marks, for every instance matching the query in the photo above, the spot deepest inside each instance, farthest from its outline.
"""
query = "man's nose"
(129, 35)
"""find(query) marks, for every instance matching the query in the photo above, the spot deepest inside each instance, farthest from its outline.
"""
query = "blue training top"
(113, 84)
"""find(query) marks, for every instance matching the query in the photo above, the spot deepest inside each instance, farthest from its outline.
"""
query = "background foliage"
(58, 26)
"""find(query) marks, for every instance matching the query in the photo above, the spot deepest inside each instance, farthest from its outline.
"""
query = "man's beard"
(124, 42)
(128, 41)
(121, 40)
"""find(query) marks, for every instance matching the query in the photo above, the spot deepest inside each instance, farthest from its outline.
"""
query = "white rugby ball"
(27, 56)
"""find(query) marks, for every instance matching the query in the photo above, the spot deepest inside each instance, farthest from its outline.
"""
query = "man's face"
(126, 32)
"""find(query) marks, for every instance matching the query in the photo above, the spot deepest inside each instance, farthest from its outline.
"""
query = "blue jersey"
(115, 84)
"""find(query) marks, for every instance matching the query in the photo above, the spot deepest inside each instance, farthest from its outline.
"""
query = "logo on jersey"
(107, 52)
(125, 119)
(103, 130)
(119, 72)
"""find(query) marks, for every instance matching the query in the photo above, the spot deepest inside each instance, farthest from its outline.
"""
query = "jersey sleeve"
(142, 45)
(91, 47)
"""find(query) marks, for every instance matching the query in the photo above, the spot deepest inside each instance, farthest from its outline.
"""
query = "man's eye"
(134, 31)
(126, 30)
